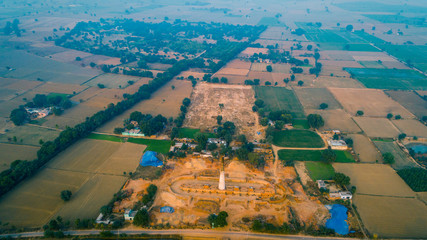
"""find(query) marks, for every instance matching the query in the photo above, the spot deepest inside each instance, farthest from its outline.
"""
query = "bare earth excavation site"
(213, 119)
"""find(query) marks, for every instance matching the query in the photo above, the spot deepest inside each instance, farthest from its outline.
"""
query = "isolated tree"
(397, 117)
(402, 136)
(323, 106)
(186, 102)
(388, 158)
(201, 139)
(259, 103)
(349, 28)
(389, 116)
(269, 68)
(19, 116)
(328, 155)
(66, 195)
(316, 56)
(315, 121)
(219, 119)
(292, 78)
(309, 47)
(300, 83)
(219, 220)
(224, 80)
(359, 113)
(341, 179)
(142, 218)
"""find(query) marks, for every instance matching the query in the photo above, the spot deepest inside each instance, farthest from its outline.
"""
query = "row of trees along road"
(19, 170)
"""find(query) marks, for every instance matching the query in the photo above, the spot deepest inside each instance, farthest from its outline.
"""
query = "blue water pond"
(338, 222)
(418, 148)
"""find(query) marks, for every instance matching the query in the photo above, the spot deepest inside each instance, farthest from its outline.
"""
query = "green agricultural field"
(389, 78)
(105, 137)
(365, 6)
(297, 139)
(160, 146)
(279, 98)
(190, 132)
(417, 21)
(412, 54)
(312, 155)
(300, 124)
(271, 21)
(320, 171)
(402, 161)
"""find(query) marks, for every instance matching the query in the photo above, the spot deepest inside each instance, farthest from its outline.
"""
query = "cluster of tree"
(315, 121)
(20, 170)
(245, 153)
(260, 225)
(142, 217)
(138, 73)
(20, 115)
(388, 158)
(316, 69)
(184, 108)
(54, 228)
(152, 37)
(226, 131)
(148, 124)
(12, 27)
(328, 155)
(297, 70)
(298, 31)
(341, 179)
(416, 178)
(254, 82)
(219, 220)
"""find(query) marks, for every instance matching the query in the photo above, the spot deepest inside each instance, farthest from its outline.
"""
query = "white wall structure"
(221, 185)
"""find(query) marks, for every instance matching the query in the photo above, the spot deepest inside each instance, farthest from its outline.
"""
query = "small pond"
(419, 148)
(338, 220)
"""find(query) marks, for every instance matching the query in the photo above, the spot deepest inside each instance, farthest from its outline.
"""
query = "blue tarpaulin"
(150, 159)
(338, 222)
(167, 209)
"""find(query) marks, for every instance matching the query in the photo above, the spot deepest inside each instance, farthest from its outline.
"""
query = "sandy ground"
(237, 104)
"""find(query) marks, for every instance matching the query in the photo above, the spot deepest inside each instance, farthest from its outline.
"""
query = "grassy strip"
(300, 124)
(190, 132)
(297, 138)
(160, 146)
(312, 155)
(320, 171)
(105, 137)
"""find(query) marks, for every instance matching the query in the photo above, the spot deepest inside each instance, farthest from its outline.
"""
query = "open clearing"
(12, 152)
(411, 127)
(29, 135)
(389, 78)
(377, 127)
(410, 101)
(365, 149)
(279, 98)
(297, 139)
(91, 169)
(165, 101)
(375, 179)
(401, 159)
(374, 103)
(392, 216)
(336, 119)
(237, 104)
(27, 66)
(311, 98)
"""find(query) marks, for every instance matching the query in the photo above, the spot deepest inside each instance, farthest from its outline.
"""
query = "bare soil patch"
(375, 179)
(365, 149)
(377, 127)
(410, 101)
(373, 102)
(411, 127)
(393, 217)
(311, 98)
(237, 102)
(337, 119)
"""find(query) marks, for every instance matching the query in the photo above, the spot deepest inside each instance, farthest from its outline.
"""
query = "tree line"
(20, 170)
